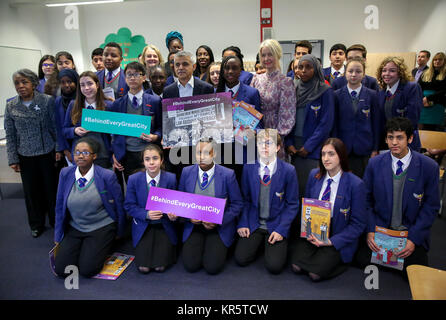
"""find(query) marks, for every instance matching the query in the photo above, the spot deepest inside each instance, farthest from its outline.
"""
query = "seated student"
(332, 182)
(402, 194)
(46, 68)
(174, 43)
(89, 96)
(97, 59)
(113, 75)
(337, 59)
(157, 77)
(205, 57)
(245, 76)
(127, 150)
(170, 62)
(213, 75)
(357, 119)
(356, 50)
(399, 97)
(270, 192)
(89, 212)
(314, 118)
(153, 234)
(301, 48)
(206, 244)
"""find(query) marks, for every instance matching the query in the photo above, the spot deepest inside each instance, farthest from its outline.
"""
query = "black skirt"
(155, 249)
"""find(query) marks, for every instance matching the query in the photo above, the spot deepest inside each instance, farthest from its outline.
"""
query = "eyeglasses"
(85, 153)
(133, 75)
(48, 65)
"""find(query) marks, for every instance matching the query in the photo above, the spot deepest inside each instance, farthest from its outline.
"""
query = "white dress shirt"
(88, 176)
(138, 97)
(210, 173)
(114, 72)
(405, 160)
(271, 166)
(358, 90)
(394, 87)
(234, 89)
(157, 178)
(188, 89)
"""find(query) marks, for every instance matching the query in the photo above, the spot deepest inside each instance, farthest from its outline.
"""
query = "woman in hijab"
(174, 43)
(314, 118)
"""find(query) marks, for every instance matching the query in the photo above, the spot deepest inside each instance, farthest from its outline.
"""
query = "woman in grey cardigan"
(31, 141)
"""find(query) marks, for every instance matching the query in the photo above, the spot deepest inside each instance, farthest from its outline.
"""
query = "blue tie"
(336, 74)
(90, 107)
(135, 102)
(388, 94)
(266, 176)
(110, 76)
(232, 93)
(205, 180)
(354, 94)
(399, 170)
(326, 195)
(153, 183)
(81, 182)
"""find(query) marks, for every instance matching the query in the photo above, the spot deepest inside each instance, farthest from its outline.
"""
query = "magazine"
(390, 243)
(244, 116)
(316, 215)
(114, 266)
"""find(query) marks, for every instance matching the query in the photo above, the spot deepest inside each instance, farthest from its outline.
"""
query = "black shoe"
(36, 232)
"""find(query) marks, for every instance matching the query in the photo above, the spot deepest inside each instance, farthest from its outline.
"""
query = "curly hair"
(403, 72)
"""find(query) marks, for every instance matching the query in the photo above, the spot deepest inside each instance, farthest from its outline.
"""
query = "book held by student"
(390, 242)
(316, 215)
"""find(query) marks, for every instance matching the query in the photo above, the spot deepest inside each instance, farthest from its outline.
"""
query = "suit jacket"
(414, 70)
(420, 195)
(135, 204)
(108, 188)
(200, 87)
(151, 107)
(319, 116)
(246, 77)
(123, 88)
(349, 215)
(360, 132)
(226, 187)
(283, 198)
(408, 103)
(367, 81)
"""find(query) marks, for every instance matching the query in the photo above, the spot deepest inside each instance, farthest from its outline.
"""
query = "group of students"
(325, 132)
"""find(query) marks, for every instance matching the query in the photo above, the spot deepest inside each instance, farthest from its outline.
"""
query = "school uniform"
(408, 201)
(290, 74)
(404, 100)
(331, 74)
(246, 77)
(59, 116)
(117, 82)
(208, 248)
(170, 79)
(127, 150)
(269, 206)
(104, 140)
(367, 81)
(154, 241)
(41, 86)
(88, 218)
(357, 124)
(348, 221)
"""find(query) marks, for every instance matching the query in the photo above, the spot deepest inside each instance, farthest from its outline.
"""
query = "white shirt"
(333, 188)
(405, 160)
(210, 173)
(188, 89)
(89, 175)
(157, 178)
(394, 87)
(90, 104)
(271, 166)
(114, 72)
(138, 97)
(358, 90)
(234, 89)
(341, 71)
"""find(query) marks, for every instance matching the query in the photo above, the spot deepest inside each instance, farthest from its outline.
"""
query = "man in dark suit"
(422, 60)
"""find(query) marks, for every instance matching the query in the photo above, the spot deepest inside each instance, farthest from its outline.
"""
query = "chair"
(426, 283)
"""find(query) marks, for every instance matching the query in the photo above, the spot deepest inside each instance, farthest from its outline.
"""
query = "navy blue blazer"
(327, 75)
(169, 80)
(41, 85)
(108, 188)
(226, 187)
(68, 128)
(62, 142)
(151, 107)
(200, 87)
(349, 215)
(290, 74)
(246, 77)
(319, 117)
(421, 200)
(283, 198)
(135, 204)
(123, 88)
(408, 103)
(367, 81)
(360, 132)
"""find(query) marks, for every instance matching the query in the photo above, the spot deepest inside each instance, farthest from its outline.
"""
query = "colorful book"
(390, 242)
(244, 116)
(114, 266)
(316, 215)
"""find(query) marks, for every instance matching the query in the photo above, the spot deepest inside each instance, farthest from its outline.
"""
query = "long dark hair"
(45, 57)
(341, 151)
(197, 71)
(221, 79)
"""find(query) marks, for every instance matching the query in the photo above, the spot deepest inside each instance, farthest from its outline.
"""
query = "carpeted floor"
(25, 272)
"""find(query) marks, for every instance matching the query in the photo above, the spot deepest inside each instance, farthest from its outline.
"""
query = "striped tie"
(399, 170)
(388, 94)
(81, 182)
(110, 76)
(326, 195)
(354, 94)
(336, 74)
(153, 183)
(205, 180)
(90, 107)
(266, 176)
(135, 102)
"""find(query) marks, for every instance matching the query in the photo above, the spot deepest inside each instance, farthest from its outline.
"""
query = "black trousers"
(204, 248)
(132, 163)
(86, 250)
(358, 164)
(38, 175)
(275, 254)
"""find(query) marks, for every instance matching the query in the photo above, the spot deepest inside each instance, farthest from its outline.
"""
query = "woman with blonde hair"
(150, 57)
(433, 84)
(277, 93)
(399, 97)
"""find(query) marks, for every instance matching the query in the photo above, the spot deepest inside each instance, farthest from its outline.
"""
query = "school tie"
(399, 170)
(232, 93)
(205, 180)
(90, 107)
(153, 183)
(266, 176)
(326, 195)
(354, 94)
(135, 102)
(81, 182)
(388, 94)
(336, 74)
(110, 76)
